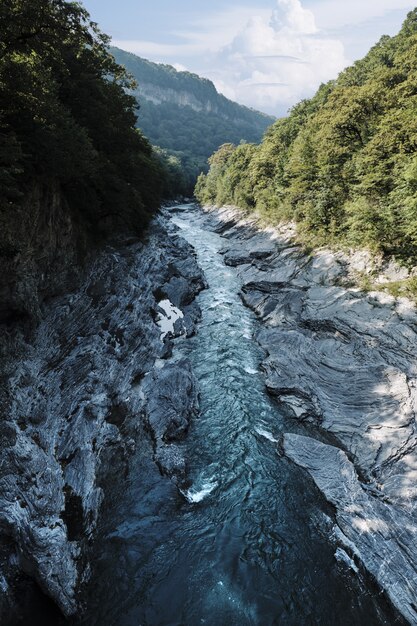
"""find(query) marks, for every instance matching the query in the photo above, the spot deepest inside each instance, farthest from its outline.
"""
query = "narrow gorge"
(208, 320)
(201, 473)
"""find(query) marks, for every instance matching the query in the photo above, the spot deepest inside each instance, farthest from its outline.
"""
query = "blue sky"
(267, 54)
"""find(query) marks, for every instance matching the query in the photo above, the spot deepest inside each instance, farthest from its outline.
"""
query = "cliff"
(42, 250)
(182, 98)
(184, 114)
(163, 83)
(75, 402)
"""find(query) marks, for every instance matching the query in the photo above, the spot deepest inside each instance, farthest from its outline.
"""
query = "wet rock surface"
(73, 393)
(373, 533)
(344, 362)
(171, 401)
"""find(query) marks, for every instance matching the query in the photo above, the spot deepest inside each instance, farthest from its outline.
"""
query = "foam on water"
(194, 496)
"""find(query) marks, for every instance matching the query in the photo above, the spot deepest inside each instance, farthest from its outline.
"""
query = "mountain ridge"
(183, 114)
(177, 80)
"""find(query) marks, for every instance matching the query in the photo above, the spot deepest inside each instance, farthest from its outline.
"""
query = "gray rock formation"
(73, 391)
(345, 363)
(157, 95)
(171, 400)
(374, 534)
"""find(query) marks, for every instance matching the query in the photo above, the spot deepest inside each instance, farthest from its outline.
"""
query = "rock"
(41, 256)
(170, 459)
(71, 391)
(337, 357)
(257, 250)
(377, 536)
(171, 401)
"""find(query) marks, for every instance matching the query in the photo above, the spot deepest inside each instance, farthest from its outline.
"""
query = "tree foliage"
(344, 163)
(194, 120)
(65, 116)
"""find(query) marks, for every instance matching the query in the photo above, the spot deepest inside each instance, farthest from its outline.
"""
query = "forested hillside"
(65, 117)
(343, 164)
(184, 114)
(73, 167)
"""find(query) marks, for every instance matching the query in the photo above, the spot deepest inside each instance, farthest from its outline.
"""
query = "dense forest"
(67, 121)
(185, 116)
(343, 164)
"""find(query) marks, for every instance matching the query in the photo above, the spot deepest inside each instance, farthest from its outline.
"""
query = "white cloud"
(212, 32)
(331, 15)
(271, 58)
(272, 63)
(201, 37)
(291, 17)
(159, 52)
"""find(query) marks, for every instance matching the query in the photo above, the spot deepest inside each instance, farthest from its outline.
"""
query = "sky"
(266, 54)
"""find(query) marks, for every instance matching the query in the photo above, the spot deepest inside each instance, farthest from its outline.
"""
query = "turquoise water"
(247, 542)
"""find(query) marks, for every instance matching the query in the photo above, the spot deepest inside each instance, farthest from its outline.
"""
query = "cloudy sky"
(267, 54)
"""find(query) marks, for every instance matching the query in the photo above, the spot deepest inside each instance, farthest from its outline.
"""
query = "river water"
(247, 543)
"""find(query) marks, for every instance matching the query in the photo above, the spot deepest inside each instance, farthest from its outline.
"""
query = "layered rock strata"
(74, 390)
(344, 362)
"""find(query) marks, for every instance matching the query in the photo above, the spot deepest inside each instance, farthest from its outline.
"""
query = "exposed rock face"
(41, 247)
(345, 362)
(72, 394)
(157, 95)
(376, 535)
(171, 402)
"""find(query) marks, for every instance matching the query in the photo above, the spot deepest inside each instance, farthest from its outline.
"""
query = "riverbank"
(244, 541)
(343, 361)
(78, 391)
(105, 389)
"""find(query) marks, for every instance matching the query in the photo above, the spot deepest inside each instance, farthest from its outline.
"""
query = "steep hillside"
(343, 164)
(80, 284)
(184, 114)
(73, 167)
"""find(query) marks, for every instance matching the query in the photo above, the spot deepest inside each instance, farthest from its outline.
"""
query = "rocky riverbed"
(344, 362)
(76, 390)
(87, 385)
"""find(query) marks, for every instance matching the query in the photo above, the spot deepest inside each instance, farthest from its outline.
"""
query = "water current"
(248, 542)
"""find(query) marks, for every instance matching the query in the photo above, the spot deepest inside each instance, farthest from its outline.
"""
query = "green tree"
(66, 117)
(342, 164)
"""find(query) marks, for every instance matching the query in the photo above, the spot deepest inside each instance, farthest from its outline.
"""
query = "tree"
(343, 164)
(66, 116)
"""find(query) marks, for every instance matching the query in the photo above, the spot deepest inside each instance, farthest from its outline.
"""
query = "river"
(247, 543)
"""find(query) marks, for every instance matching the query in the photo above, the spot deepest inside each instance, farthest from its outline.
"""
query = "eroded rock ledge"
(345, 363)
(374, 534)
(73, 392)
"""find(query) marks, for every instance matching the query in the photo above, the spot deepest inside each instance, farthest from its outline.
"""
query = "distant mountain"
(184, 114)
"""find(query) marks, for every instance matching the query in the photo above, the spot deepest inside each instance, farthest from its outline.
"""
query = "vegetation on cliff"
(186, 116)
(66, 119)
(343, 164)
